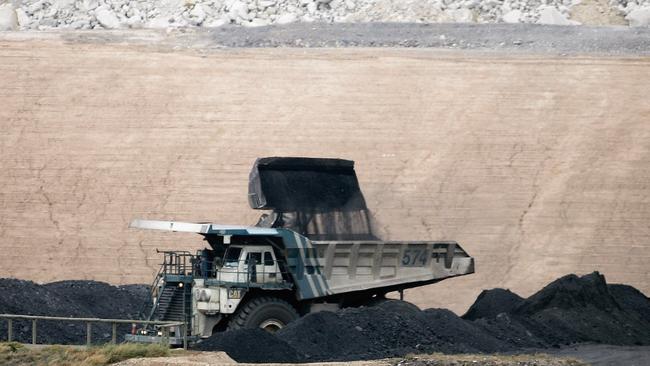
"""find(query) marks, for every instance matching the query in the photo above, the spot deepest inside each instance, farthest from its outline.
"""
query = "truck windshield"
(232, 256)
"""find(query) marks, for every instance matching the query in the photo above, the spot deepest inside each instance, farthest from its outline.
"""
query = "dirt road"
(537, 165)
(595, 355)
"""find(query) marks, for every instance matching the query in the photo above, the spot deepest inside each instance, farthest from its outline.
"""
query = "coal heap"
(570, 292)
(386, 330)
(69, 299)
(569, 310)
(251, 345)
(491, 303)
(390, 329)
(631, 300)
(319, 198)
(583, 309)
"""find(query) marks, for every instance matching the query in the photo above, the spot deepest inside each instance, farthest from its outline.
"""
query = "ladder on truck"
(171, 291)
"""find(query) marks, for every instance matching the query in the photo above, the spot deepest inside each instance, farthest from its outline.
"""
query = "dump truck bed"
(326, 268)
(350, 266)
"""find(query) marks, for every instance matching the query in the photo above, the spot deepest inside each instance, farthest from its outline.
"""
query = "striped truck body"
(325, 268)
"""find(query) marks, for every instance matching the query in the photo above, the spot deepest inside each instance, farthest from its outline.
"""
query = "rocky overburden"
(111, 14)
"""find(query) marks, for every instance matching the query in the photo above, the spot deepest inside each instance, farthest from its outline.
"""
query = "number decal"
(415, 256)
(406, 258)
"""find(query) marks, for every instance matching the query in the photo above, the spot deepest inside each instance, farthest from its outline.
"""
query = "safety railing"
(154, 295)
(163, 325)
(177, 262)
(245, 273)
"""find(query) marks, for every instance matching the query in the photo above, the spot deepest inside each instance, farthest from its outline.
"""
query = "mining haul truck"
(314, 251)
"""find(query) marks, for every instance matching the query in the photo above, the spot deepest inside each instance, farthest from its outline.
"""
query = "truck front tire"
(268, 313)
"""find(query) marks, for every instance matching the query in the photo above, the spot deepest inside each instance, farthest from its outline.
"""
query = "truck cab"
(255, 264)
(219, 292)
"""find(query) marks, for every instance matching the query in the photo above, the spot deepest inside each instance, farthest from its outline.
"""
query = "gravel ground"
(516, 39)
(485, 360)
(519, 37)
(606, 355)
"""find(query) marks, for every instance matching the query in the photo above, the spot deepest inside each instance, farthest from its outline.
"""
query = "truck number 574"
(415, 257)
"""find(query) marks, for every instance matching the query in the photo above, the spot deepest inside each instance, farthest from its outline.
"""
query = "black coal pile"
(570, 310)
(88, 299)
(583, 309)
(101, 299)
(631, 300)
(251, 345)
(491, 303)
(386, 330)
(391, 329)
(493, 312)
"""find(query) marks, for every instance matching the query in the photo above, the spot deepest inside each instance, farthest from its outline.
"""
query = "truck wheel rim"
(272, 325)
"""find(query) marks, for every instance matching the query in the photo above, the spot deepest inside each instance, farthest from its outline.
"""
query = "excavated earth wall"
(537, 164)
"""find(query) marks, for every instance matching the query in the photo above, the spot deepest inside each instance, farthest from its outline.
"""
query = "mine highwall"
(538, 165)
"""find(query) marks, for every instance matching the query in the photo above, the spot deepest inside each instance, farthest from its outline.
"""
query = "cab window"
(256, 257)
(268, 259)
(232, 256)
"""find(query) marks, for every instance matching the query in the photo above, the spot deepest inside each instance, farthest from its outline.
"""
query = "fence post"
(10, 330)
(114, 338)
(33, 331)
(89, 334)
(165, 335)
(185, 336)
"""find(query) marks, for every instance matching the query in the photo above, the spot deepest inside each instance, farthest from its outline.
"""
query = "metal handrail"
(245, 276)
(153, 294)
(176, 262)
(247, 271)
(34, 318)
(186, 264)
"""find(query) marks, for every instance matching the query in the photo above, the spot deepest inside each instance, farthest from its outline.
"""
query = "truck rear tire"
(268, 313)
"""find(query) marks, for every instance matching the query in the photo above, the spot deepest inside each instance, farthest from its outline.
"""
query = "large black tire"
(268, 313)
